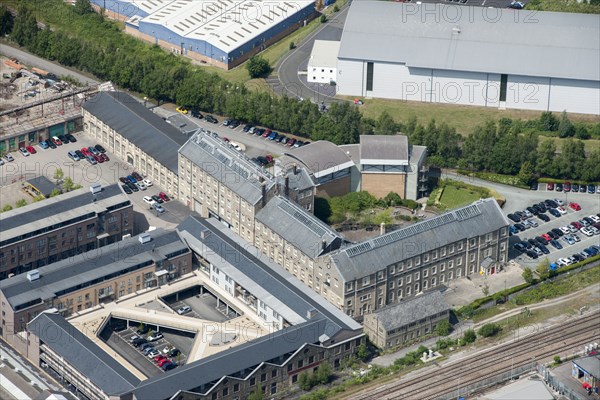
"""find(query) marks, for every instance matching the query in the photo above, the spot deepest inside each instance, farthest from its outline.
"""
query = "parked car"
(554, 243)
(211, 119)
(544, 249)
(543, 217)
(591, 189)
(91, 159)
(159, 358)
(532, 254)
(100, 148)
(558, 232)
(514, 218)
(157, 199)
(73, 156)
(541, 240)
(127, 189)
(31, 150)
(567, 187)
(169, 366)
(163, 361)
(520, 247)
(154, 337)
(93, 150)
(104, 157)
(143, 330)
(147, 182)
(575, 206)
(546, 237)
(577, 225)
(559, 187)
(569, 239)
(132, 186)
(550, 186)
(587, 231)
(44, 145)
(594, 218)
(141, 185)
(227, 122)
(512, 230)
(532, 223)
(234, 124)
(160, 209)
(56, 140)
(174, 352)
(70, 137)
(98, 157)
(184, 310)
(554, 212)
(80, 154)
(138, 342)
(137, 176)
(520, 227)
(152, 353)
(63, 139)
(148, 200)
(9, 158)
(561, 210)
(196, 114)
(182, 110)
(23, 151)
(164, 196)
(131, 179)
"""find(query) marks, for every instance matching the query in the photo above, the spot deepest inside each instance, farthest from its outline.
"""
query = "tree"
(525, 175)
(546, 164)
(68, 184)
(21, 203)
(385, 125)
(323, 18)
(591, 169)
(383, 217)
(324, 373)
(58, 174)
(256, 395)
(6, 21)
(543, 269)
(304, 381)
(572, 159)
(565, 127)
(527, 275)
(469, 336)
(83, 7)
(292, 45)
(7, 207)
(336, 8)
(393, 199)
(362, 352)
(443, 328)
(557, 360)
(548, 122)
(489, 330)
(55, 192)
(258, 67)
(25, 28)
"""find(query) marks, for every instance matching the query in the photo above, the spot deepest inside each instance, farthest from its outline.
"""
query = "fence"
(557, 385)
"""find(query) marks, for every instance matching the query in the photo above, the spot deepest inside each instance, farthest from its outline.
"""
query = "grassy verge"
(492, 177)
(452, 194)
(455, 197)
(463, 118)
(572, 6)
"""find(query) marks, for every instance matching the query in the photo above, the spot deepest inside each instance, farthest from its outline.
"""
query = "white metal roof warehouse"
(471, 55)
(224, 32)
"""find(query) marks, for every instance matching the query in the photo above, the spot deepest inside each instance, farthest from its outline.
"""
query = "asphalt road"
(57, 69)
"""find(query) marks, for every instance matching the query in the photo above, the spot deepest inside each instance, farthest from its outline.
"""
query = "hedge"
(553, 180)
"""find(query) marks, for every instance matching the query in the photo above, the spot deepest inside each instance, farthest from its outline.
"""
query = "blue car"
(44, 145)
(554, 212)
(553, 267)
(513, 230)
(131, 179)
(591, 251)
(554, 243)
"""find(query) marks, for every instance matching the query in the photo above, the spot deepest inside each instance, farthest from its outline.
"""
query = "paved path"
(57, 69)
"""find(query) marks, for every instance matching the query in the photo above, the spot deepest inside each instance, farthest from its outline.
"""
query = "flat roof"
(475, 39)
(368, 257)
(90, 266)
(56, 210)
(42, 185)
(324, 54)
(225, 24)
(384, 149)
(79, 351)
(321, 157)
(228, 166)
(146, 130)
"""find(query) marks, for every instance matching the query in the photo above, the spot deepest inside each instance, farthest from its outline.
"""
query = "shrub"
(258, 67)
(489, 330)
(557, 360)
(443, 328)
(468, 337)
(336, 8)
(323, 18)
(292, 45)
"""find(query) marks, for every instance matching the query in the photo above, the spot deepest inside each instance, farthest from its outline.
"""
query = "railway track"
(433, 382)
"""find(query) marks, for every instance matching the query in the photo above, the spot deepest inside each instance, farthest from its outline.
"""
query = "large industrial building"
(221, 33)
(546, 61)
(60, 227)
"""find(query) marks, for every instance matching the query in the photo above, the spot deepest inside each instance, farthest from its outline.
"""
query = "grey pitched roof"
(299, 227)
(301, 180)
(228, 362)
(590, 364)
(424, 36)
(227, 166)
(55, 210)
(416, 152)
(84, 268)
(42, 184)
(368, 257)
(321, 157)
(412, 310)
(132, 120)
(83, 354)
(249, 262)
(387, 148)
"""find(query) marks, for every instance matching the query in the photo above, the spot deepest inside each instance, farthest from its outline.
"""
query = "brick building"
(59, 227)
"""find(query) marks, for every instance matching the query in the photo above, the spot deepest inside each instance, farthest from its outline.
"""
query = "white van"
(96, 188)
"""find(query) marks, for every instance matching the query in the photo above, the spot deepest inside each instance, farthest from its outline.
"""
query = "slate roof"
(590, 364)
(52, 211)
(227, 166)
(89, 266)
(43, 185)
(461, 38)
(136, 123)
(412, 310)
(299, 227)
(383, 148)
(321, 157)
(368, 257)
(84, 355)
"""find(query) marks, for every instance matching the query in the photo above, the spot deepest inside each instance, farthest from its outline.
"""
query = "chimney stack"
(323, 244)
(295, 168)
(287, 186)
(382, 228)
(263, 187)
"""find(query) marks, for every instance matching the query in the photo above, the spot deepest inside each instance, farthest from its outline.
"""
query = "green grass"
(454, 197)
(463, 118)
(572, 6)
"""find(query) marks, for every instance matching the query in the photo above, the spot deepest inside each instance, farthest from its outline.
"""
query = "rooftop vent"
(33, 275)
(204, 234)
(311, 313)
(144, 238)
(455, 30)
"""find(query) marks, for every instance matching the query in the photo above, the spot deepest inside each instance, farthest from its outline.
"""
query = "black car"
(100, 148)
(533, 210)
(575, 187)
(157, 199)
(259, 131)
(123, 179)
(71, 138)
(137, 176)
(558, 232)
(211, 119)
(582, 189)
(521, 215)
(520, 227)
(551, 203)
(520, 247)
(554, 212)
(80, 154)
(591, 189)
(138, 342)
(63, 139)
(543, 217)
(577, 257)
(247, 128)
(174, 352)
(234, 123)
(541, 240)
(126, 189)
(531, 254)
(132, 186)
(514, 218)
(143, 330)
(281, 139)
(544, 249)
(534, 186)
(196, 114)
(51, 144)
(552, 234)
(559, 187)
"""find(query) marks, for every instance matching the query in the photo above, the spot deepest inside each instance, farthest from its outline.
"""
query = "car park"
(184, 310)
(575, 206)
(23, 151)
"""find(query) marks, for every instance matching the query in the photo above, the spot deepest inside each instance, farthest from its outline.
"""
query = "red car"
(577, 225)
(164, 196)
(160, 358)
(99, 158)
(163, 362)
(86, 152)
(291, 142)
(567, 187)
(267, 133)
(104, 157)
(547, 237)
(31, 149)
(226, 139)
(56, 141)
(550, 186)
(575, 206)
